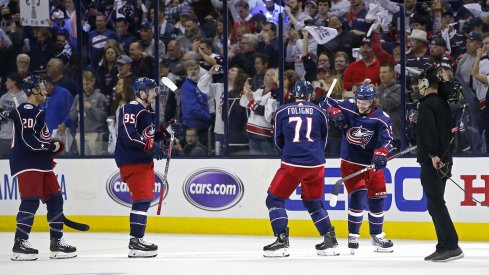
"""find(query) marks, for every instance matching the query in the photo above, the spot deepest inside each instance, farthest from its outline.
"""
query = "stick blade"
(168, 83)
(333, 200)
(76, 225)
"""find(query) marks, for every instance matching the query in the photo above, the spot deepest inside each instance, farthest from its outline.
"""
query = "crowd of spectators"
(118, 45)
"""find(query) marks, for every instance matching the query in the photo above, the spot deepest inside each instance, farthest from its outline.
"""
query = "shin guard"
(277, 214)
(319, 215)
(376, 215)
(358, 201)
(138, 218)
(55, 217)
(25, 218)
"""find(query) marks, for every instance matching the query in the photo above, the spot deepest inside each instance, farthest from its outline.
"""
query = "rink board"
(227, 196)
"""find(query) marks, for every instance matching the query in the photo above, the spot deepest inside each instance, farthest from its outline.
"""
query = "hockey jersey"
(31, 144)
(135, 126)
(300, 132)
(364, 133)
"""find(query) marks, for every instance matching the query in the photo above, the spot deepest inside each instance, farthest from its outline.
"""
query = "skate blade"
(282, 252)
(24, 257)
(327, 252)
(62, 255)
(384, 250)
(142, 254)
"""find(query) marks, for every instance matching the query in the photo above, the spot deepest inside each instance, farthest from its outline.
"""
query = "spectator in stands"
(146, 32)
(321, 18)
(340, 7)
(218, 38)
(97, 39)
(167, 29)
(306, 57)
(123, 94)
(107, 71)
(344, 41)
(261, 67)
(175, 58)
(259, 126)
(193, 146)
(389, 95)
(310, 8)
(341, 62)
(418, 55)
(355, 18)
(192, 34)
(382, 55)
(457, 39)
(41, 50)
(244, 54)
(367, 67)
(8, 103)
(123, 36)
(245, 16)
(194, 106)
(296, 16)
(57, 107)
(23, 61)
(123, 64)
(269, 43)
(142, 64)
(237, 115)
(57, 71)
(437, 52)
(95, 115)
(464, 66)
(63, 48)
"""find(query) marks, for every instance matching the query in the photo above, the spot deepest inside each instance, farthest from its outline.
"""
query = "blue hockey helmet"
(32, 82)
(365, 92)
(302, 89)
(143, 84)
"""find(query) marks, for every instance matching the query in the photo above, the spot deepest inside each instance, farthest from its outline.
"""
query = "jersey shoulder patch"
(351, 100)
(28, 107)
(134, 102)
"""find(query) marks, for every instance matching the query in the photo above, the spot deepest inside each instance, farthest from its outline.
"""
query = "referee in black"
(434, 155)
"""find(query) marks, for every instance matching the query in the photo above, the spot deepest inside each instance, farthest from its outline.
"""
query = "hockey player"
(435, 157)
(300, 132)
(134, 157)
(31, 161)
(367, 139)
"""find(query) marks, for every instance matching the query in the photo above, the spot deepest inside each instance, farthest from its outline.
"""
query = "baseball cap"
(123, 59)
(146, 25)
(186, 11)
(312, 2)
(474, 36)
(438, 41)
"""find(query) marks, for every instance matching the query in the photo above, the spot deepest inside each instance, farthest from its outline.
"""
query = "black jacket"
(434, 129)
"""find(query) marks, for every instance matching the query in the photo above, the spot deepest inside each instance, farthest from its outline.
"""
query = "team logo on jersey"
(119, 191)
(45, 135)
(359, 136)
(213, 189)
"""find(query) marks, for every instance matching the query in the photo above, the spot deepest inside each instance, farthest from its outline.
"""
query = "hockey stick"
(330, 90)
(75, 225)
(168, 83)
(165, 175)
(334, 195)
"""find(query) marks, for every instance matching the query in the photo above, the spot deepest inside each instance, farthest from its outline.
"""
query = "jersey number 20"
(298, 121)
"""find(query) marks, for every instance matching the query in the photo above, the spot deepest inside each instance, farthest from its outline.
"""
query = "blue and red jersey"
(31, 145)
(300, 132)
(135, 127)
(364, 132)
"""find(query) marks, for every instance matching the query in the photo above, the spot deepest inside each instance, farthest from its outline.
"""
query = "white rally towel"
(322, 34)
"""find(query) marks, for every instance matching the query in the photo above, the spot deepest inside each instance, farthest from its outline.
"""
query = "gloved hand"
(379, 159)
(337, 117)
(159, 150)
(57, 147)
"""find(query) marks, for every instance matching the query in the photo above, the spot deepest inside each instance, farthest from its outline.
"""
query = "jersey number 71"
(298, 121)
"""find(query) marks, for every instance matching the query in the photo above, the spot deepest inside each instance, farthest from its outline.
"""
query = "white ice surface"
(106, 253)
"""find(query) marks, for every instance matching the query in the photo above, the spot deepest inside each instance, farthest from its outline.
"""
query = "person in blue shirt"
(300, 132)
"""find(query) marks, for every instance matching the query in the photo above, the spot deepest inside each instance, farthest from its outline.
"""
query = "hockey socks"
(319, 215)
(25, 218)
(138, 218)
(376, 215)
(55, 217)
(276, 211)
(358, 201)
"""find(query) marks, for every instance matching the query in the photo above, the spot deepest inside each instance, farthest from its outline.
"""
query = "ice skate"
(381, 244)
(449, 255)
(326, 248)
(279, 248)
(23, 251)
(353, 242)
(139, 248)
(61, 250)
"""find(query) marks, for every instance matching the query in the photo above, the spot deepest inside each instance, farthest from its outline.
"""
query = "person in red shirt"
(367, 67)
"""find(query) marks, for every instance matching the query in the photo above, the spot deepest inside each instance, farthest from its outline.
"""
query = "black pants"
(434, 188)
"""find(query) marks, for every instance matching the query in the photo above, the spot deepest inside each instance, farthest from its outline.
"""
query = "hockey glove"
(57, 147)
(337, 117)
(159, 150)
(380, 158)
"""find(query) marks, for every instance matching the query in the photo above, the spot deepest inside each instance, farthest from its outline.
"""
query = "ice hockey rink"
(106, 253)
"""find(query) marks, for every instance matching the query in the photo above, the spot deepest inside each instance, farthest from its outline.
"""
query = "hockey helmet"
(32, 82)
(365, 92)
(303, 88)
(143, 84)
